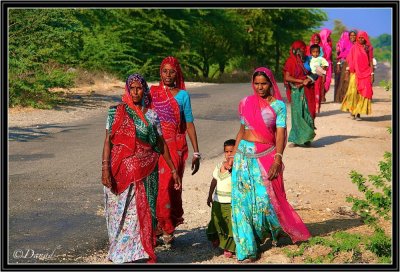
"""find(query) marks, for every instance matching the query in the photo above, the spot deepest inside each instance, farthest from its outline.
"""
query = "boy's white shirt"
(224, 185)
(318, 61)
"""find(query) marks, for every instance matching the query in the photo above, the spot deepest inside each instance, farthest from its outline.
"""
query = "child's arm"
(210, 193)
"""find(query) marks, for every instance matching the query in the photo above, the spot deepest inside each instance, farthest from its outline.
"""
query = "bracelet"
(197, 154)
(279, 154)
(231, 156)
(173, 171)
(372, 73)
(105, 160)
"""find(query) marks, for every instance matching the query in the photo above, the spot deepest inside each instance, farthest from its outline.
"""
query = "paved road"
(55, 192)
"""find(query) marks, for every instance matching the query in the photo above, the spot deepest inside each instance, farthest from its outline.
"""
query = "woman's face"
(263, 86)
(361, 40)
(352, 37)
(136, 91)
(316, 40)
(168, 75)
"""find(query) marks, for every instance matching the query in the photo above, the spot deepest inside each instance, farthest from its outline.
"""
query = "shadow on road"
(328, 113)
(190, 246)
(33, 132)
(86, 101)
(328, 140)
(376, 118)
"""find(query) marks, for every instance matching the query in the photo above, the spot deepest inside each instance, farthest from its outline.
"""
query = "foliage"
(41, 43)
(387, 84)
(376, 205)
(377, 202)
(45, 43)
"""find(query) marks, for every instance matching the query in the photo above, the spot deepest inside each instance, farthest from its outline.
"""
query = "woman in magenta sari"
(343, 47)
(259, 205)
(326, 42)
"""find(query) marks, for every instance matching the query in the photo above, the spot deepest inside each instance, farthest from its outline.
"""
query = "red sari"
(169, 200)
(127, 156)
(295, 67)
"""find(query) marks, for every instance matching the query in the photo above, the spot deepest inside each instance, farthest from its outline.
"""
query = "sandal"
(248, 260)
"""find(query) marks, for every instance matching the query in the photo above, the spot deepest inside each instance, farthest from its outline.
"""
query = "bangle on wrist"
(173, 171)
(278, 154)
(372, 73)
(197, 154)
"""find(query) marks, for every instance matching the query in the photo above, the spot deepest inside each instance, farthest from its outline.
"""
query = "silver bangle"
(173, 171)
(279, 154)
(197, 154)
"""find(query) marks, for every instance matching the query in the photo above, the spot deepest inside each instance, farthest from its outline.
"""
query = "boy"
(318, 64)
(219, 230)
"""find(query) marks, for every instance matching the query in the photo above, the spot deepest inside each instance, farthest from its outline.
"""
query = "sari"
(259, 206)
(341, 82)
(169, 201)
(302, 100)
(130, 203)
(327, 48)
(359, 59)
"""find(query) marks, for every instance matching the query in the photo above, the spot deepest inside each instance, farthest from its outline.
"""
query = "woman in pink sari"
(259, 204)
(361, 69)
(326, 42)
(342, 50)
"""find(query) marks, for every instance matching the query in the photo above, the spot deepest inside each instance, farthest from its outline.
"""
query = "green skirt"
(302, 130)
(220, 226)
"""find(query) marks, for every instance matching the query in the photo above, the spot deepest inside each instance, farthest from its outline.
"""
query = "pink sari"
(250, 109)
(327, 48)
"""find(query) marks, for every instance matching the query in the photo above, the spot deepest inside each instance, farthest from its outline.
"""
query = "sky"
(375, 21)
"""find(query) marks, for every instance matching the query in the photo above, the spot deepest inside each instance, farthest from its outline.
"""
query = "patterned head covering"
(127, 95)
(179, 82)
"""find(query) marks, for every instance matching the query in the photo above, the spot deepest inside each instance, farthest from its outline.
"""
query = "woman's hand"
(177, 181)
(274, 171)
(195, 164)
(337, 69)
(306, 81)
(209, 201)
(106, 177)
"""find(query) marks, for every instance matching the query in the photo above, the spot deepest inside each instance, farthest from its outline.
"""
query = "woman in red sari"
(172, 103)
(302, 96)
(130, 174)
(361, 69)
(318, 85)
(259, 205)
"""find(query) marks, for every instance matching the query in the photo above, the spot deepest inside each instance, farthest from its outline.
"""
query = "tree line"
(211, 44)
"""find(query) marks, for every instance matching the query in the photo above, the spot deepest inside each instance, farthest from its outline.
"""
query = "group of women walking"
(145, 149)
(143, 190)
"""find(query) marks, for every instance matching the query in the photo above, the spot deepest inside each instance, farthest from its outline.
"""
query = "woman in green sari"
(301, 94)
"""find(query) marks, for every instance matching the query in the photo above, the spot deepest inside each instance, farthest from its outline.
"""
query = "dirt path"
(316, 179)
